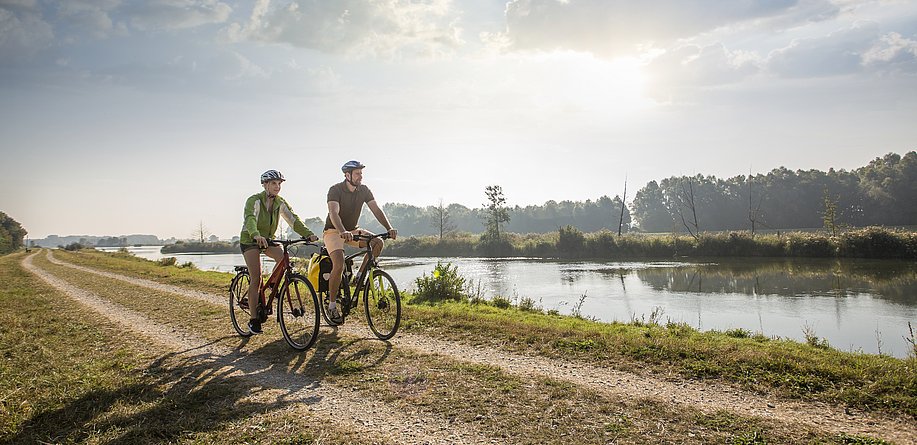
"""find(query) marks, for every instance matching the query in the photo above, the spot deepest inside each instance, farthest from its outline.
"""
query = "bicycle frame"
(280, 274)
(367, 273)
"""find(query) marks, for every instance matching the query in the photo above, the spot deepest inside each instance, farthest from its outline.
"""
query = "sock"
(331, 305)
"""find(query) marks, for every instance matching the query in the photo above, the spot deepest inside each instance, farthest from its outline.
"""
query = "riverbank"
(570, 243)
(193, 247)
(148, 387)
(809, 370)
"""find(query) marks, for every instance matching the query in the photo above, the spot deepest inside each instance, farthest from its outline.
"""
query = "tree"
(201, 232)
(495, 210)
(441, 220)
(829, 215)
(687, 203)
(621, 220)
(11, 234)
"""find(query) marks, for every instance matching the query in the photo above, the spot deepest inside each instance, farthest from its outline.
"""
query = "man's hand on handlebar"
(393, 233)
(347, 235)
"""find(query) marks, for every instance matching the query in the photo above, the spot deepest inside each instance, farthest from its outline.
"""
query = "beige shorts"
(333, 241)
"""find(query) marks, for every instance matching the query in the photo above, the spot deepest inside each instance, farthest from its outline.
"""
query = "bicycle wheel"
(238, 289)
(298, 313)
(383, 305)
(343, 299)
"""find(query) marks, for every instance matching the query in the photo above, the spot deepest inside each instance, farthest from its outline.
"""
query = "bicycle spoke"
(382, 303)
(238, 311)
(298, 313)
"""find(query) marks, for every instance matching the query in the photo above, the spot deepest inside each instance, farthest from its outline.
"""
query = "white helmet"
(271, 175)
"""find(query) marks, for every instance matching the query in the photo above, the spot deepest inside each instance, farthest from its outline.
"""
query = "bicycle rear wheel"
(298, 313)
(382, 302)
(238, 289)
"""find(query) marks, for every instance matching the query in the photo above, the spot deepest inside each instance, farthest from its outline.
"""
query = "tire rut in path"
(394, 427)
(705, 396)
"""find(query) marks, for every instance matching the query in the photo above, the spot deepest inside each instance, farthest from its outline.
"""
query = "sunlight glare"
(579, 82)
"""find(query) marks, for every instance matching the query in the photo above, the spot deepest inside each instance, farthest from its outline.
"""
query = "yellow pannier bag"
(319, 271)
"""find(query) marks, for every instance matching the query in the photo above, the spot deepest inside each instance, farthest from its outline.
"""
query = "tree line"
(11, 234)
(880, 193)
(442, 220)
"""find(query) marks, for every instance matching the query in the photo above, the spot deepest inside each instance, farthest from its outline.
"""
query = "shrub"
(501, 302)
(167, 261)
(570, 241)
(443, 284)
(528, 305)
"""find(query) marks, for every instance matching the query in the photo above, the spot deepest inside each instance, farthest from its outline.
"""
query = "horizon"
(150, 117)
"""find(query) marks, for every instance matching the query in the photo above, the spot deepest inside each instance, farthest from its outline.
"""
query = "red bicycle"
(297, 303)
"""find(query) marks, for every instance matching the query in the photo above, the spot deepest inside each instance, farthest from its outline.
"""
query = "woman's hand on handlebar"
(262, 242)
(311, 238)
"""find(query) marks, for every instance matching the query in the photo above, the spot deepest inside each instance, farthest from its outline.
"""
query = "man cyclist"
(345, 203)
(259, 222)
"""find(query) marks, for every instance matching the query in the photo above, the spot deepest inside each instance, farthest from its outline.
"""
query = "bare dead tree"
(201, 232)
(441, 220)
(621, 220)
(686, 199)
(753, 210)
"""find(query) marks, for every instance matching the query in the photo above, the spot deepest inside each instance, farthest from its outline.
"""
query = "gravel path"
(320, 397)
(705, 396)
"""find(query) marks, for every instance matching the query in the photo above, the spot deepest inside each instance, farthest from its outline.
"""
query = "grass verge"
(793, 369)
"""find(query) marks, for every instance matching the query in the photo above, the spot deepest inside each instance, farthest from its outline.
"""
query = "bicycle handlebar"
(286, 243)
(358, 237)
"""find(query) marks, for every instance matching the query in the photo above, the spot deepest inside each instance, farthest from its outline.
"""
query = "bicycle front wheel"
(383, 305)
(298, 313)
(238, 309)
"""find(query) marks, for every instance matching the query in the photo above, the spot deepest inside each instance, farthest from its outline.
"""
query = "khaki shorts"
(333, 241)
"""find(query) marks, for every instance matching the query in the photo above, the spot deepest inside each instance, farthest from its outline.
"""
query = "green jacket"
(258, 221)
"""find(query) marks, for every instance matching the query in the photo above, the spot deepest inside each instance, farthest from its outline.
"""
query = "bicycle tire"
(238, 289)
(325, 297)
(298, 313)
(382, 303)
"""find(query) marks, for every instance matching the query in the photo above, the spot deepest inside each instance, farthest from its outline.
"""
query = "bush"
(501, 302)
(444, 284)
(570, 241)
(167, 261)
(75, 246)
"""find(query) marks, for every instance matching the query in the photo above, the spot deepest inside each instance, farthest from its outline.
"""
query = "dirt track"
(704, 396)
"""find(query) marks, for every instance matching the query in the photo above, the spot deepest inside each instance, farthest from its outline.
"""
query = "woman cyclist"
(261, 215)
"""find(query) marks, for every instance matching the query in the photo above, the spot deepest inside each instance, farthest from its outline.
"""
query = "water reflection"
(892, 280)
(854, 304)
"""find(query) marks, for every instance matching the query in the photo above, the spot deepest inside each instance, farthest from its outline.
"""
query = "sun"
(581, 82)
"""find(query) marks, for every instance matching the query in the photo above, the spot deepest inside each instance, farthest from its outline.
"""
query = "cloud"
(612, 27)
(23, 31)
(892, 52)
(382, 28)
(176, 14)
(692, 66)
(860, 48)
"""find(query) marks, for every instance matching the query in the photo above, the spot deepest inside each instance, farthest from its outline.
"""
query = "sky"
(126, 117)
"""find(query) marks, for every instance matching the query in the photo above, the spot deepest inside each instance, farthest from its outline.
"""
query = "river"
(856, 305)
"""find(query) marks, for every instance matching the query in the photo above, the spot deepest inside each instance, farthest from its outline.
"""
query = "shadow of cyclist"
(175, 396)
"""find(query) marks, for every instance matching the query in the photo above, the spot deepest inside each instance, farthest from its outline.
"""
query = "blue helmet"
(352, 165)
(271, 175)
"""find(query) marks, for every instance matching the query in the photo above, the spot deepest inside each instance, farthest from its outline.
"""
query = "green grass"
(68, 375)
(760, 363)
(794, 369)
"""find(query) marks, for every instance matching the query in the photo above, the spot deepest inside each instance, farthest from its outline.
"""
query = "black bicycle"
(297, 305)
(381, 299)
